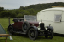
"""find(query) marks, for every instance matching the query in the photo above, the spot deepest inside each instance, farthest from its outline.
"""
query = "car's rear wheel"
(32, 33)
(10, 29)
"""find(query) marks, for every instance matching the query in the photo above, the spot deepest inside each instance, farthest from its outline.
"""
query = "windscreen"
(29, 18)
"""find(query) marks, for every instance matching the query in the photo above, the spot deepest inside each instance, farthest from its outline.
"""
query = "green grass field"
(4, 23)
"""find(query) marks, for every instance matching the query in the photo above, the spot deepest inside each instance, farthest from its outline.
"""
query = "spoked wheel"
(10, 30)
(26, 25)
(32, 33)
(49, 34)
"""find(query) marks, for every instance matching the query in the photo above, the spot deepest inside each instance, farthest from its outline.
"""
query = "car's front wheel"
(49, 34)
(32, 33)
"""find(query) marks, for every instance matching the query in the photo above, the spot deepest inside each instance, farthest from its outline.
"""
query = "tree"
(20, 16)
(32, 12)
(26, 12)
(5, 14)
(1, 9)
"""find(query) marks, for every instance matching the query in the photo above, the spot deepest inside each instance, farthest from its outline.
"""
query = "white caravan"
(53, 16)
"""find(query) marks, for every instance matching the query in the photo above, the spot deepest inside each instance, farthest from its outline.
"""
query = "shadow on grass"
(26, 36)
(38, 38)
(56, 34)
(15, 34)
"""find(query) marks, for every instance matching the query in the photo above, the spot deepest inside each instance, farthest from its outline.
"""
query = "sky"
(15, 4)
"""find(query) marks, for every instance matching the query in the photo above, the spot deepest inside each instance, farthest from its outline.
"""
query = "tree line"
(26, 10)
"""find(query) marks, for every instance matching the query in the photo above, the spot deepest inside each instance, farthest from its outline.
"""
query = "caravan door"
(58, 24)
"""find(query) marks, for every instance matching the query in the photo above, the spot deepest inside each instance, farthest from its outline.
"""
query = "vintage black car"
(30, 28)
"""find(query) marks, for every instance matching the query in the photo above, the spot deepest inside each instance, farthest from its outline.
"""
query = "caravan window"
(57, 18)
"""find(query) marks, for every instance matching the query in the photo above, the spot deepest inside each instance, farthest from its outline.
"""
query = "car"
(30, 28)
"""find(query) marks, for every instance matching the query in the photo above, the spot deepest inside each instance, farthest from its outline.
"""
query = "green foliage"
(5, 14)
(13, 14)
(26, 12)
(1, 9)
(31, 11)
(19, 15)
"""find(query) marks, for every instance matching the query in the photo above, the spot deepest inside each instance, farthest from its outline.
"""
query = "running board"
(20, 32)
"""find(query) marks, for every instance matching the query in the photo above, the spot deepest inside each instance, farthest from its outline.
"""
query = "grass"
(4, 23)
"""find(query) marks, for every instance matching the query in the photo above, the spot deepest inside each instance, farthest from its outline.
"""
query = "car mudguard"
(9, 25)
(50, 27)
(32, 27)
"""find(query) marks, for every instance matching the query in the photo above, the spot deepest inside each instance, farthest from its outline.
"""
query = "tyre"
(25, 27)
(49, 34)
(46, 36)
(32, 33)
(10, 29)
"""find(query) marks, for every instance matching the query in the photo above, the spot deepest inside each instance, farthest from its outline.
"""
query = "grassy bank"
(4, 23)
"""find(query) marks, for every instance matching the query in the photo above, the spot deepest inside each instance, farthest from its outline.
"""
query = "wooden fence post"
(9, 20)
